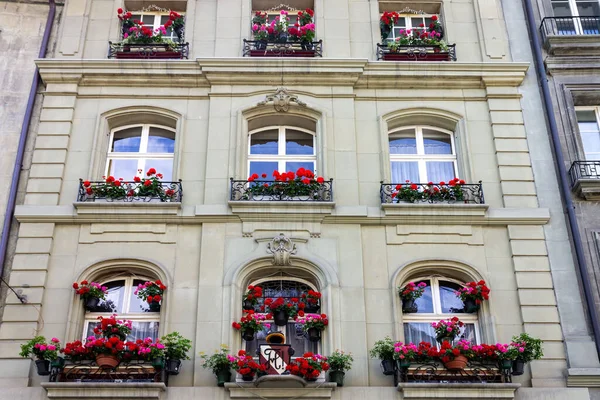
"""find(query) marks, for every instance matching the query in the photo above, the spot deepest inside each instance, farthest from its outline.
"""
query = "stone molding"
(359, 73)
(583, 377)
(102, 208)
(280, 387)
(67, 391)
(463, 391)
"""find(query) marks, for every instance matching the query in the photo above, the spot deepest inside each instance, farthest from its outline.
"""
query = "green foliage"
(383, 349)
(39, 348)
(533, 347)
(340, 361)
(217, 362)
(176, 346)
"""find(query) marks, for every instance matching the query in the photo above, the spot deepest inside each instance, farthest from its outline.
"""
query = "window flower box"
(122, 51)
(416, 53)
(254, 48)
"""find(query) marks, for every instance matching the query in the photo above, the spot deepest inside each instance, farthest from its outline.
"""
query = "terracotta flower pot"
(107, 361)
(458, 364)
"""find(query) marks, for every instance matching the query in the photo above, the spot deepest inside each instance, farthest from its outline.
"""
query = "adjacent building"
(212, 105)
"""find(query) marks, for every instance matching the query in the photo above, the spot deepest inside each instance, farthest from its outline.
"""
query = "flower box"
(148, 51)
(441, 56)
(416, 53)
(254, 48)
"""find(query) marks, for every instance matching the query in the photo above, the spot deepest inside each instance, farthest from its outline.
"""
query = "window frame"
(157, 17)
(91, 317)
(420, 157)
(281, 158)
(142, 155)
(436, 316)
(408, 23)
(578, 28)
(283, 329)
(596, 110)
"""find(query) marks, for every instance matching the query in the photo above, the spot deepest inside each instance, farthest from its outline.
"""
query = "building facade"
(214, 108)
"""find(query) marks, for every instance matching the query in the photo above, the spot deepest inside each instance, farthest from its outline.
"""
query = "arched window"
(134, 149)
(438, 302)
(282, 148)
(422, 154)
(287, 288)
(122, 300)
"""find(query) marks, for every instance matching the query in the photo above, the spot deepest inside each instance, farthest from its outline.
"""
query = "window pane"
(293, 166)
(264, 142)
(259, 338)
(403, 143)
(425, 303)
(140, 329)
(403, 171)
(137, 305)
(127, 140)
(298, 142)
(450, 303)
(162, 166)
(299, 339)
(125, 169)
(586, 116)
(417, 332)
(115, 295)
(161, 141)
(163, 20)
(263, 167)
(436, 142)
(588, 8)
(148, 20)
(438, 171)
(561, 9)
(468, 333)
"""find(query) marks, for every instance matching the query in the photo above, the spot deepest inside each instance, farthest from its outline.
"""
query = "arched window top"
(440, 119)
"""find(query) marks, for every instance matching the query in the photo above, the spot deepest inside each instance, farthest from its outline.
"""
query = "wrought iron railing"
(261, 48)
(584, 170)
(148, 51)
(280, 191)
(129, 192)
(431, 193)
(432, 372)
(416, 53)
(89, 371)
(569, 26)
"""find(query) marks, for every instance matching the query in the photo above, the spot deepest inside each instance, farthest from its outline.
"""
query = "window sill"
(436, 210)
(126, 208)
(144, 391)
(573, 45)
(317, 208)
(280, 387)
(459, 390)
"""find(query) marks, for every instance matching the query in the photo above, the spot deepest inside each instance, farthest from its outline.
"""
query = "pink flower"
(254, 27)
(51, 347)
(125, 35)
(55, 340)
(160, 346)
(43, 347)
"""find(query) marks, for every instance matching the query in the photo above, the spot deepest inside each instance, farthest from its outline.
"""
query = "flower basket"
(154, 306)
(59, 363)
(337, 377)
(518, 367)
(248, 335)
(173, 366)
(505, 364)
(388, 367)
(314, 335)
(470, 306)
(248, 377)
(409, 306)
(158, 363)
(403, 364)
(444, 338)
(91, 304)
(280, 318)
(222, 377)
(248, 305)
(43, 367)
(458, 364)
(312, 308)
(107, 361)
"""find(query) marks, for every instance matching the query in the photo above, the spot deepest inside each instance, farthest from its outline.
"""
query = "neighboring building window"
(588, 121)
(439, 301)
(587, 11)
(155, 20)
(412, 22)
(136, 148)
(281, 148)
(122, 300)
(422, 154)
(294, 335)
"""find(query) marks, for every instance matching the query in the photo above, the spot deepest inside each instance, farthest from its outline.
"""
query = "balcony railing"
(416, 53)
(434, 193)
(88, 371)
(261, 48)
(148, 51)
(129, 192)
(569, 26)
(280, 191)
(584, 170)
(474, 372)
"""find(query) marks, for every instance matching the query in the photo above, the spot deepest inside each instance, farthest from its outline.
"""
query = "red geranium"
(309, 366)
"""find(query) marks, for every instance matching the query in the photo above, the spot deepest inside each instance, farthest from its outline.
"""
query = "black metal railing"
(416, 53)
(432, 372)
(89, 371)
(148, 51)
(262, 48)
(431, 193)
(281, 191)
(569, 26)
(584, 170)
(129, 191)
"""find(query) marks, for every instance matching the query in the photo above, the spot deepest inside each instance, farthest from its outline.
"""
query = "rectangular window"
(589, 129)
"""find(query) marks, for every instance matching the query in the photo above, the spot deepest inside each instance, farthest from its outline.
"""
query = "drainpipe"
(562, 173)
(14, 184)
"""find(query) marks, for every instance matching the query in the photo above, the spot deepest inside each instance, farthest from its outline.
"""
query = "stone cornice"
(357, 73)
(570, 65)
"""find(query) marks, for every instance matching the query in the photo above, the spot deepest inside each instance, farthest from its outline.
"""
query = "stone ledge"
(452, 391)
(280, 387)
(268, 210)
(461, 211)
(583, 377)
(573, 45)
(60, 391)
(588, 189)
(126, 208)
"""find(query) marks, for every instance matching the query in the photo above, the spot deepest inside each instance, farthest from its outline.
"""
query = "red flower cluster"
(251, 321)
(150, 291)
(311, 297)
(389, 18)
(75, 351)
(309, 366)
(89, 290)
(477, 291)
(280, 304)
(246, 365)
(253, 294)
(111, 326)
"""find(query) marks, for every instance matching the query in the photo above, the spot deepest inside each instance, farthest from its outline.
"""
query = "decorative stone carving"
(282, 248)
(281, 100)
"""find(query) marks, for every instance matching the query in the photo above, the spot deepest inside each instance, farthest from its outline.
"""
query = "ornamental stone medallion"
(282, 248)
